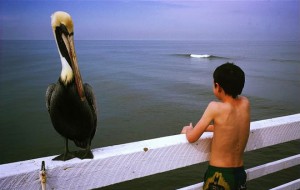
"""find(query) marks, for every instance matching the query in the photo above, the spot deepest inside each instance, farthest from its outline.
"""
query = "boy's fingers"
(183, 131)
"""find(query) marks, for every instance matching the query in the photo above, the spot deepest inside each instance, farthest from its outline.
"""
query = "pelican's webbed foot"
(84, 154)
(65, 156)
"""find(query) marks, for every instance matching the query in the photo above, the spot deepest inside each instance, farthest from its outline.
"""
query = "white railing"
(119, 163)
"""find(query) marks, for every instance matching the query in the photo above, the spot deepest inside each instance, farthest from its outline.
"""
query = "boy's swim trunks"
(217, 178)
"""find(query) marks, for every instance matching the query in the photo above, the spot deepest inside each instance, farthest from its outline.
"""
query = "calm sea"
(144, 90)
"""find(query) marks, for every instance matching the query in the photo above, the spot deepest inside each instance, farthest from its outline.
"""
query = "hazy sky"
(155, 19)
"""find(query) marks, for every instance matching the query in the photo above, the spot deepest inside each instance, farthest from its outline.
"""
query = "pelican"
(70, 103)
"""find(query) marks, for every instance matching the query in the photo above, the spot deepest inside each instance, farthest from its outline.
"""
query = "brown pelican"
(70, 103)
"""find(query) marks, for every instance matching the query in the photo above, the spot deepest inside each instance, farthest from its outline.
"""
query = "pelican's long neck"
(66, 75)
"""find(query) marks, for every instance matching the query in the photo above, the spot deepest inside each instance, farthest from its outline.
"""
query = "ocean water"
(144, 90)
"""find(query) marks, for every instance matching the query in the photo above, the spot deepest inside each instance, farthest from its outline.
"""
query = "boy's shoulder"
(214, 107)
(214, 104)
(244, 100)
(219, 105)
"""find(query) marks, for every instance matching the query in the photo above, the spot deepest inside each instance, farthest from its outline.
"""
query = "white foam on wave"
(200, 56)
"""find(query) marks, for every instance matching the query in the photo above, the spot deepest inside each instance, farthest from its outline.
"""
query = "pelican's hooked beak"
(62, 26)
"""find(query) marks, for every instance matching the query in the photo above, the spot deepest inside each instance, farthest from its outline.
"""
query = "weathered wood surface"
(293, 185)
(124, 162)
(272, 167)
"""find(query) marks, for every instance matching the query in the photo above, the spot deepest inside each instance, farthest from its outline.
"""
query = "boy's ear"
(218, 87)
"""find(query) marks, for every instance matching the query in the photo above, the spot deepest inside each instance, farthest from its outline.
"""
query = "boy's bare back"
(231, 131)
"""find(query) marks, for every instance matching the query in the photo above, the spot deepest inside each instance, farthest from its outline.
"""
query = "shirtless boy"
(229, 120)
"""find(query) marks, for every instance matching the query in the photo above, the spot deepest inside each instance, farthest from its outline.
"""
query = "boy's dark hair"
(231, 78)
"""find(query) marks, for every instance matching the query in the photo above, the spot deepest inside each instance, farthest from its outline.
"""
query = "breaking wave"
(202, 56)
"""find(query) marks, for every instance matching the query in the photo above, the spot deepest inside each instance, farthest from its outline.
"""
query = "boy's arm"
(210, 128)
(193, 134)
